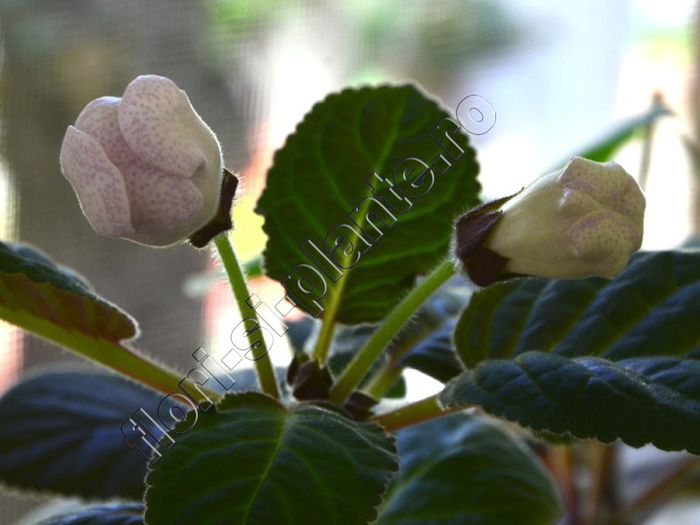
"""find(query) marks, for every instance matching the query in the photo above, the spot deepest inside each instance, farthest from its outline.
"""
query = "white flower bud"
(145, 167)
(584, 220)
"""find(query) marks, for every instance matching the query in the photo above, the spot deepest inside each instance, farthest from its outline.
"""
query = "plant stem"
(381, 383)
(325, 336)
(604, 503)
(263, 365)
(657, 494)
(384, 378)
(415, 413)
(363, 360)
(657, 101)
(561, 463)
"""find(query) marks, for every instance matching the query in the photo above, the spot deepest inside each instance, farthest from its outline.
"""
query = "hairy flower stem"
(415, 413)
(387, 376)
(263, 365)
(325, 336)
(351, 377)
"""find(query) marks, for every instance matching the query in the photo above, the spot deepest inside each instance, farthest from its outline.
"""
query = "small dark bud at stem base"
(360, 405)
(309, 380)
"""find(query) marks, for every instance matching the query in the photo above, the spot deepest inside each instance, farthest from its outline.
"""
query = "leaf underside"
(62, 434)
(107, 514)
(34, 292)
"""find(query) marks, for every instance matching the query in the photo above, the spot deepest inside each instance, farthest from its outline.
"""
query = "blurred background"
(560, 75)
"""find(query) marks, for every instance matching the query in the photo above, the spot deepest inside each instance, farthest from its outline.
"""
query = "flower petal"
(97, 182)
(159, 124)
(99, 120)
(162, 206)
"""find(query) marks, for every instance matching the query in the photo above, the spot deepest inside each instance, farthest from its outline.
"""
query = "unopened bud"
(585, 220)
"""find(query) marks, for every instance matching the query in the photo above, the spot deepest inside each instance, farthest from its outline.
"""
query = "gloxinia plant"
(552, 339)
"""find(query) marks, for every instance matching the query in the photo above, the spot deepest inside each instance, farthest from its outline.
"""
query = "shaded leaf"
(252, 461)
(34, 292)
(112, 514)
(320, 176)
(650, 309)
(467, 470)
(61, 433)
(593, 358)
(56, 304)
(641, 400)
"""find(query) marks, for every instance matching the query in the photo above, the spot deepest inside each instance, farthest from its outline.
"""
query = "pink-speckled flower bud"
(145, 167)
(584, 220)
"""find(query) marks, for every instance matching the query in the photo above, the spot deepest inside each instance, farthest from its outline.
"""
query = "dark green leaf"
(621, 354)
(56, 304)
(112, 514)
(61, 433)
(320, 176)
(641, 400)
(39, 296)
(465, 470)
(650, 309)
(252, 461)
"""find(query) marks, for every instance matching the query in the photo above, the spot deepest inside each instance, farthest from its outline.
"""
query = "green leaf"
(603, 149)
(650, 309)
(62, 434)
(56, 304)
(252, 461)
(109, 514)
(593, 358)
(34, 291)
(467, 470)
(641, 401)
(320, 176)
